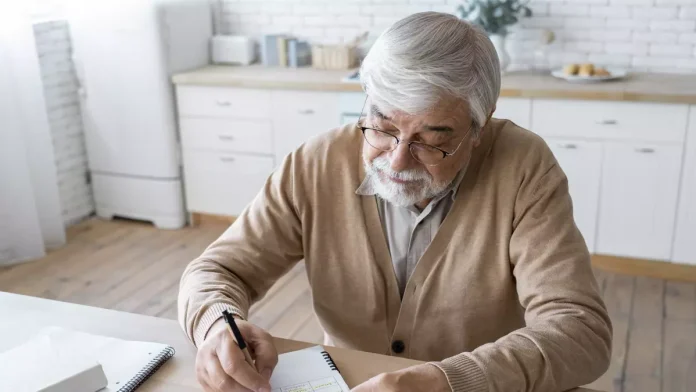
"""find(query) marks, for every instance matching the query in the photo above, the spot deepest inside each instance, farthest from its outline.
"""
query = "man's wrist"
(210, 316)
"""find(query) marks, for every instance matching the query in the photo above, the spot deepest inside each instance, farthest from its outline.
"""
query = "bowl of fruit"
(588, 73)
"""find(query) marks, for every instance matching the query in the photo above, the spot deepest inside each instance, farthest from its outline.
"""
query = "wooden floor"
(136, 268)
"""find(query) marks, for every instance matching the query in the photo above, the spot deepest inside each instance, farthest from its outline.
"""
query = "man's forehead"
(444, 110)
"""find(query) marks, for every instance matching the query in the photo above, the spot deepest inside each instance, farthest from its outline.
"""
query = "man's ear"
(477, 141)
(489, 116)
(488, 119)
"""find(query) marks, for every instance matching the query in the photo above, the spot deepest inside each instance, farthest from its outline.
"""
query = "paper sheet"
(306, 371)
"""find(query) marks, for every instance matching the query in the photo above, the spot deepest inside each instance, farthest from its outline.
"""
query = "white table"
(24, 316)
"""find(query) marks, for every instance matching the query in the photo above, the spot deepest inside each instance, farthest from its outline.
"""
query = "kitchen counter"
(646, 87)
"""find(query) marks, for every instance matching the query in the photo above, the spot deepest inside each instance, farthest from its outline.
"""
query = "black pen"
(232, 326)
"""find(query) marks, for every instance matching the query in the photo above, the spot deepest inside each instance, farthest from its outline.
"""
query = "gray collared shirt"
(408, 230)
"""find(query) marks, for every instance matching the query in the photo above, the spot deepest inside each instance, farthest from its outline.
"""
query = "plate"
(615, 73)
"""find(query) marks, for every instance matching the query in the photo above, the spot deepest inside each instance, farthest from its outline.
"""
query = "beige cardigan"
(504, 298)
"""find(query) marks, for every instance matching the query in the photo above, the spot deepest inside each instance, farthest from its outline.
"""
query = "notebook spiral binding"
(330, 361)
(148, 371)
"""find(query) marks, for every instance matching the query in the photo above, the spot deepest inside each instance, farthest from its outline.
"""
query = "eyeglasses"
(421, 152)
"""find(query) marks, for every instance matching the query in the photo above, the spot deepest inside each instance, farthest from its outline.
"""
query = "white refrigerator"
(125, 53)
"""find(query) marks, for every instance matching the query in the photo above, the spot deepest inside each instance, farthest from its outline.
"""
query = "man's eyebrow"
(375, 112)
(438, 128)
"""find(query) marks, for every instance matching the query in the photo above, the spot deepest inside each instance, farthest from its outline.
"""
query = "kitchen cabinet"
(629, 121)
(582, 163)
(226, 144)
(638, 199)
(517, 110)
(685, 234)
(223, 183)
(233, 138)
(299, 116)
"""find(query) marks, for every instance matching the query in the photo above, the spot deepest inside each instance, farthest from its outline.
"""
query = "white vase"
(499, 44)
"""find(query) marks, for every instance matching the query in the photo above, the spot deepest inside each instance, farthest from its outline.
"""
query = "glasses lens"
(426, 154)
(380, 140)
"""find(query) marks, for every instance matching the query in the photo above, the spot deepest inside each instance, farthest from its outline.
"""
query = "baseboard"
(641, 267)
(198, 219)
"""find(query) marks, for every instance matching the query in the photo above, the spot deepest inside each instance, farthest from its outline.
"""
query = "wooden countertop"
(646, 87)
(24, 316)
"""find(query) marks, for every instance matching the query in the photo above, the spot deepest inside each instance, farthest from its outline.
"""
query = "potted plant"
(494, 17)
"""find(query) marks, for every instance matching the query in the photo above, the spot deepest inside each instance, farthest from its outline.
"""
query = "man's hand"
(220, 364)
(419, 378)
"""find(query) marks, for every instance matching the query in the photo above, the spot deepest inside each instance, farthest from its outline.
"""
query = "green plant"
(494, 16)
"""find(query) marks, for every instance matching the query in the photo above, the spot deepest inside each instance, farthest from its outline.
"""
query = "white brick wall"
(645, 35)
(60, 90)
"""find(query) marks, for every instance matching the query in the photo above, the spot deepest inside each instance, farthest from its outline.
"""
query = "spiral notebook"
(59, 359)
(309, 370)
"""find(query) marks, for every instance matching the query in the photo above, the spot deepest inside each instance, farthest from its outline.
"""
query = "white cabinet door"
(299, 116)
(517, 110)
(685, 235)
(223, 183)
(582, 163)
(638, 200)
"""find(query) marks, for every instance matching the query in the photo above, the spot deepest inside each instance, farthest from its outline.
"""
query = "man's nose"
(400, 159)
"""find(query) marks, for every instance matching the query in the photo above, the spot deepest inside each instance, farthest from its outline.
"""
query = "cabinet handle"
(645, 150)
(223, 103)
(227, 138)
(607, 122)
(226, 159)
(306, 111)
(569, 146)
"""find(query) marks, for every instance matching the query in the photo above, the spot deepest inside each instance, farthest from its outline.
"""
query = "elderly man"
(429, 230)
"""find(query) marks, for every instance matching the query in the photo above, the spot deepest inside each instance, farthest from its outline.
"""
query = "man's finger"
(233, 363)
(265, 353)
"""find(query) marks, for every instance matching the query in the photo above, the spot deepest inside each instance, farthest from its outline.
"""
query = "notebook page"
(306, 371)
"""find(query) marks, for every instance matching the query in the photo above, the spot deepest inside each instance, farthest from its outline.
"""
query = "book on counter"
(285, 51)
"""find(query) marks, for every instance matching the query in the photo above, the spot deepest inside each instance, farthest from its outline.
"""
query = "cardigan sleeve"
(566, 342)
(261, 245)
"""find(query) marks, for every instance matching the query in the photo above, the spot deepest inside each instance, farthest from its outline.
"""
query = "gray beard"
(400, 195)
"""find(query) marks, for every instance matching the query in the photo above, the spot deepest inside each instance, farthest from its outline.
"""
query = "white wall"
(20, 229)
(62, 105)
(29, 200)
(645, 35)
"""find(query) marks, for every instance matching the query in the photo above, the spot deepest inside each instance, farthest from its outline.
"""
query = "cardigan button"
(398, 346)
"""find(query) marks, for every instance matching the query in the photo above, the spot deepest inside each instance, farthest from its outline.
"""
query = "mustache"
(381, 164)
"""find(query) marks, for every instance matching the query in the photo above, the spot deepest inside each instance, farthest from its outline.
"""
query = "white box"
(233, 49)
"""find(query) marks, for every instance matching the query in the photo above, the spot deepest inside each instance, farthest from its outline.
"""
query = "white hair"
(429, 56)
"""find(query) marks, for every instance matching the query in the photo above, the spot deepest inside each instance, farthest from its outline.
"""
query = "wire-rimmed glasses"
(421, 152)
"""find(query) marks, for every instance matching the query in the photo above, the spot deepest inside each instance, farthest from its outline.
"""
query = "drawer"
(226, 135)
(223, 183)
(610, 120)
(306, 106)
(223, 102)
